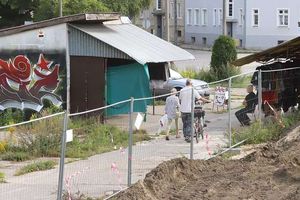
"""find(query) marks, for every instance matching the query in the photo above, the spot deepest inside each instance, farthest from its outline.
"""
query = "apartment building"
(154, 20)
(254, 24)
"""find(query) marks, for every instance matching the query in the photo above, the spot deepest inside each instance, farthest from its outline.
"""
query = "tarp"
(124, 82)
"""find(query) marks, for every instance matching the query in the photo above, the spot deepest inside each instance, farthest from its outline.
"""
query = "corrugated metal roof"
(135, 42)
(82, 44)
(83, 18)
(288, 50)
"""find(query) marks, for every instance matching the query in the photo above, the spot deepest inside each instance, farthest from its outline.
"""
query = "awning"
(135, 42)
(287, 50)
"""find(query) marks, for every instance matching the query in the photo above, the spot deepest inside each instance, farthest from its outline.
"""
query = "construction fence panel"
(25, 149)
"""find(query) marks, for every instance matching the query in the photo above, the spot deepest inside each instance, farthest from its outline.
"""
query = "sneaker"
(167, 138)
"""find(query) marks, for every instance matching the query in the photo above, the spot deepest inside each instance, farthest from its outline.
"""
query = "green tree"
(129, 8)
(223, 53)
(16, 12)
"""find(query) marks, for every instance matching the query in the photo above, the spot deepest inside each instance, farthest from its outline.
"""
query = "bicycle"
(198, 122)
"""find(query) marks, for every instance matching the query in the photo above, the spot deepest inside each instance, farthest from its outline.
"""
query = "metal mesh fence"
(107, 150)
(26, 148)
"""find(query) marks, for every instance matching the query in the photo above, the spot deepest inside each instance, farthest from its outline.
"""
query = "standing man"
(185, 98)
(249, 102)
(171, 109)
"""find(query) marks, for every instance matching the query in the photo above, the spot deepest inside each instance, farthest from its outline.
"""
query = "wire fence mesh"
(28, 147)
(114, 146)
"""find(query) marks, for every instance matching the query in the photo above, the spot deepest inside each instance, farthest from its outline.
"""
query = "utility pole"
(175, 23)
(60, 8)
(168, 19)
(224, 18)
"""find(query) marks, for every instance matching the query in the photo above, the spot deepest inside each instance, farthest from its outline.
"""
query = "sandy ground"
(270, 172)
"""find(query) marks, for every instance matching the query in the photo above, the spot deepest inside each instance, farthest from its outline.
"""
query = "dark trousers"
(187, 124)
(242, 116)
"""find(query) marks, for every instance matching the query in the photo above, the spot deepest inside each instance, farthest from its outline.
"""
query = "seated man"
(249, 102)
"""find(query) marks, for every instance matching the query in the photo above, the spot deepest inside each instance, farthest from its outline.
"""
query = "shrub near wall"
(223, 53)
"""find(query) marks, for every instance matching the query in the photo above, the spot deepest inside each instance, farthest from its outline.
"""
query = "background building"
(154, 20)
(253, 24)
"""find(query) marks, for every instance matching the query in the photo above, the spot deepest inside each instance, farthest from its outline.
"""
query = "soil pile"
(272, 172)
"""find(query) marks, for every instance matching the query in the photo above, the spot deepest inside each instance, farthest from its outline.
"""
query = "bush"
(2, 177)
(38, 166)
(18, 156)
(223, 52)
(261, 133)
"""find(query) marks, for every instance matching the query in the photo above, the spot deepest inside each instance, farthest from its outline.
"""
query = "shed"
(83, 61)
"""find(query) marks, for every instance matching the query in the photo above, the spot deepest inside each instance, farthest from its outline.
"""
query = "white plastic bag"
(163, 123)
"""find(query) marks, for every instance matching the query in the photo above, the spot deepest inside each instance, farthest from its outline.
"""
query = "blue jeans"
(187, 124)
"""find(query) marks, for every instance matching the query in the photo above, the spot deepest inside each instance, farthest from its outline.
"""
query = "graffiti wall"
(33, 69)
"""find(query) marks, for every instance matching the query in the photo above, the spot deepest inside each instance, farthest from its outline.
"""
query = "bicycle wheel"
(196, 129)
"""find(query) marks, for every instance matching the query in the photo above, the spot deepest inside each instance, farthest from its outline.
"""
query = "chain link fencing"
(107, 149)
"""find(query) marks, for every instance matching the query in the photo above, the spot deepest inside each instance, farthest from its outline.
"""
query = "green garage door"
(124, 82)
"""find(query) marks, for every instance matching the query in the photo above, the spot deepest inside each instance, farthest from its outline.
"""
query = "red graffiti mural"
(23, 85)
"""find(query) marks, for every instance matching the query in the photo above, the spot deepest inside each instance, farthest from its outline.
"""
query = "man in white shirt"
(185, 98)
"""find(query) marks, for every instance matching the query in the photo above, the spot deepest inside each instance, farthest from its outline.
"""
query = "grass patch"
(37, 166)
(269, 131)
(241, 82)
(92, 137)
(2, 177)
(17, 156)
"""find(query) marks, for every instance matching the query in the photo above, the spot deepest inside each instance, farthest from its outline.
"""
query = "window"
(204, 41)
(215, 16)
(179, 10)
(189, 17)
(197, 17)
(193, 39)
(220, 17)
(204, 17)
(172, 10)
(283, 17)
(241, 18)
(158, 4)
(255, 17)
(179, 34)
(230, 9)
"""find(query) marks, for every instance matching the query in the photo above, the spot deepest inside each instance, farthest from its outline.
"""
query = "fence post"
(153, 102)
(130, 141)
(192, 125)
(62, 157)
(229, 111)
(259, 95)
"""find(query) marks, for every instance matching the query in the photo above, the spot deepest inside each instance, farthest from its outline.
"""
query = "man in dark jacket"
(249, 102)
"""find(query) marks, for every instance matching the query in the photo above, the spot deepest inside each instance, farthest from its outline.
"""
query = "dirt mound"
(272, 172)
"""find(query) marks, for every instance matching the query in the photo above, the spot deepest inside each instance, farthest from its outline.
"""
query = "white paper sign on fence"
(138, 121)
(69, 135)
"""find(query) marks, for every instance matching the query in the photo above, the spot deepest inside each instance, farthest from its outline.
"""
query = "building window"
(283, 17)
(255, 17)
(178, 10)
(193, 39)
(179, 34)
(197, 17)
(220, 17)
(204, 41)
(230, 9)
(215, 16)
(241, 19)
(158, 4)
(204, 17)
(189, 17)
(172, 10)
